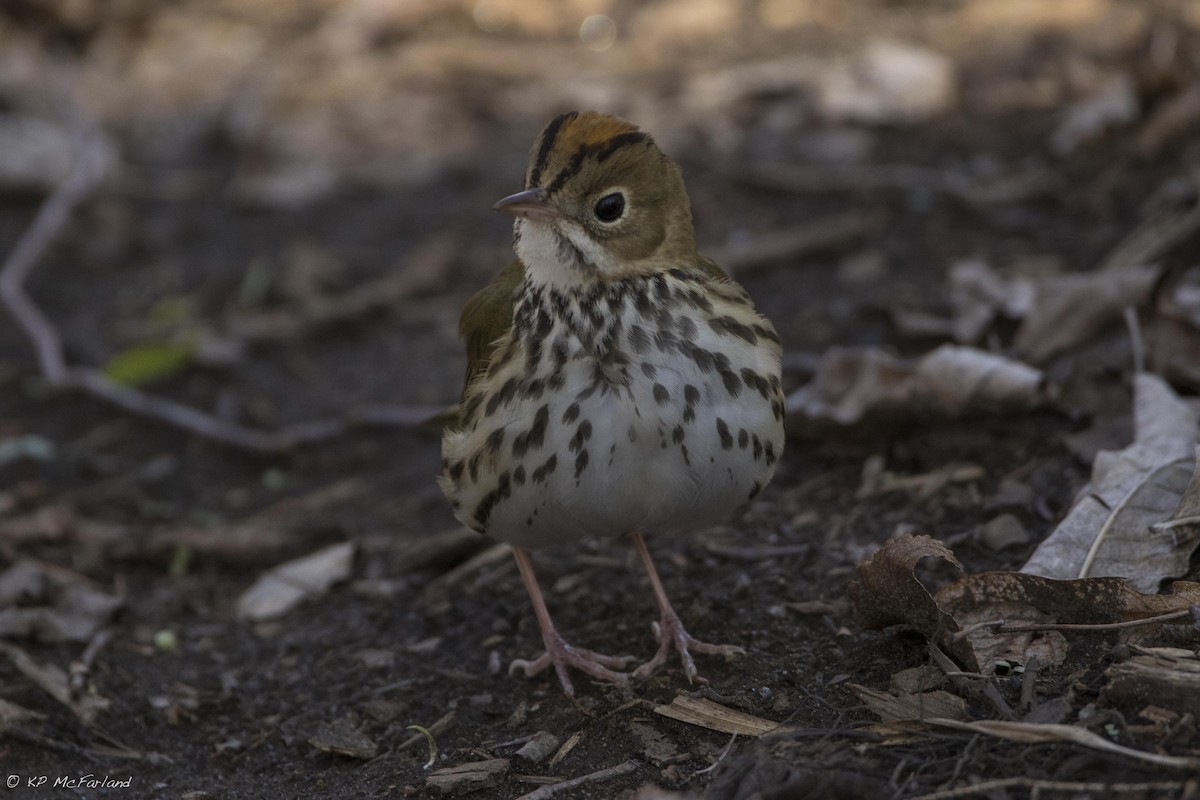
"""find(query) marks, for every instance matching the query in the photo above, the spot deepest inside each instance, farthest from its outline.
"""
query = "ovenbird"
(617, 381)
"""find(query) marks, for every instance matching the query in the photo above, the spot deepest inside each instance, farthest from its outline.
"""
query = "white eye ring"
(610, 207)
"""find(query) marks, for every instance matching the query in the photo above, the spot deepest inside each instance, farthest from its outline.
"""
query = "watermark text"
(87, 781)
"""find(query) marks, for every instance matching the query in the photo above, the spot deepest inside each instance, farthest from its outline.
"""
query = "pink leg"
(671, 632)
(558, 653)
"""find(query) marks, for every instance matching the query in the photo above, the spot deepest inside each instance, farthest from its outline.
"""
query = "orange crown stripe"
(591, 128)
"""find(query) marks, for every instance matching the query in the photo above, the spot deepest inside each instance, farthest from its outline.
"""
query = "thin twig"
(1002, 626)
(592, 777)
(724, 752)
(1031, 733)
(951, 670)
(1098, 626)
(958, 636)
(51, 218)
(82, 667)
(163, 409)
(1175, 523)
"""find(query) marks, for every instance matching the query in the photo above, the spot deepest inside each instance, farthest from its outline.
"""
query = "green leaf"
(145, 363)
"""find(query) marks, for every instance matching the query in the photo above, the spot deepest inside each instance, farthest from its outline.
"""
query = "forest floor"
(295, 206)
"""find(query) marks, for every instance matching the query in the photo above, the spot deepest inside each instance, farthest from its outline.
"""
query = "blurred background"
(294, 201)
(266, 159)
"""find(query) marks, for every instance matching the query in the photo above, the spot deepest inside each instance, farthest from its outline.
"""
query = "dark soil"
(233, 709)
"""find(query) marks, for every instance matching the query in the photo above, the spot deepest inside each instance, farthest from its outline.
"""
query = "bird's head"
(601, 202)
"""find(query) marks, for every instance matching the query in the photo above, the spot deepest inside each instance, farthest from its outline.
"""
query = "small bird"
(617, 381)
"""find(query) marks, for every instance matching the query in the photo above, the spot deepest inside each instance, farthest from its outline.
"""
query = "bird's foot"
(562, 656)
(671, 634)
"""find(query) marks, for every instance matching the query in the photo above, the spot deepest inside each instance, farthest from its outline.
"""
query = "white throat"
(562, 256)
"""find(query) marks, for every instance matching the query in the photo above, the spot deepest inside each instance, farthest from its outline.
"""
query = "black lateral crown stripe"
(600, 150)
(548, 137)
(570, 169)
(606, 149)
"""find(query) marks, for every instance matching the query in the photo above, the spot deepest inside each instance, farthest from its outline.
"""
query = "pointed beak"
(529, 204)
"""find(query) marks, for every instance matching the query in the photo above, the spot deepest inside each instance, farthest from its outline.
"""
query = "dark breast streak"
(620, 329)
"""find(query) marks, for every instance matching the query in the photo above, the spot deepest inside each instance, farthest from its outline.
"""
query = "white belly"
(672, 451)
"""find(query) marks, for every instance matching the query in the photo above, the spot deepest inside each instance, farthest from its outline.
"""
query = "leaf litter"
(858, 390)
(1116, 525)
(1003, 617)
(282, 588)
(272, 158)
(50, 603)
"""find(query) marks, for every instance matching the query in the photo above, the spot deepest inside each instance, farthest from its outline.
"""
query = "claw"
(671, 634)
(559, 654)
(669, 631)
(563, 656)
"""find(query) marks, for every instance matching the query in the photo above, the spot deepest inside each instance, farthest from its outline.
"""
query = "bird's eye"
(610, 207)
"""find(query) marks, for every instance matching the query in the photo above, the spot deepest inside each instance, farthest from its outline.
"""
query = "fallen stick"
(592, 777)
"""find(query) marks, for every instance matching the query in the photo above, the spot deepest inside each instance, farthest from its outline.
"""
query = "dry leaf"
(1020, 599)
(540, 746)
(1185, 520)
(979, 297)
(52, 604)
(1003, 596)
(917, 679)
(1067, 309)
(887, 591)
(954, 381)
(283, 587)
(964, 617)
(1108, 530)
(865, 388)
(342, 737)
(852, 387)
(979, 294)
